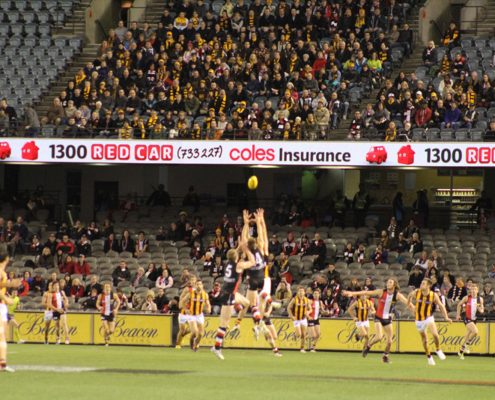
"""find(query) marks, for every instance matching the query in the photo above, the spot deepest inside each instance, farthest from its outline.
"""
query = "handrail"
(437, 26)
(483, 14)
(102, 28)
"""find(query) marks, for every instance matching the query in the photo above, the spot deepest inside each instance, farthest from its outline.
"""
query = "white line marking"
(52, 368)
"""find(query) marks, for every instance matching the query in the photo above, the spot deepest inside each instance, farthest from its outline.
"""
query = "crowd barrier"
(336, 334)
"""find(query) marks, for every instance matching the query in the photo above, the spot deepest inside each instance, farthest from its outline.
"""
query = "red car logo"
(377, 154)
(406, 155)
(4, 150)
(30, 151)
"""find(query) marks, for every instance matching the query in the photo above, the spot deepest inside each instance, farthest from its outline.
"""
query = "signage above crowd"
(317, 154)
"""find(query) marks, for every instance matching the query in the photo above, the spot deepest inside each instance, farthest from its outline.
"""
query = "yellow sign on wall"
(335, 335)
(141, 329)
(32, 328)
(451, 338)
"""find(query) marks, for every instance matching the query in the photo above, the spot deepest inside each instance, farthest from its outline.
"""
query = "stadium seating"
(32, 56)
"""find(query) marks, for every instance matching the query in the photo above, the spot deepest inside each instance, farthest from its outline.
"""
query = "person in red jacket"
(423, 115)
(68, 266)
(82, 266)
(66, 245)
(76, 290)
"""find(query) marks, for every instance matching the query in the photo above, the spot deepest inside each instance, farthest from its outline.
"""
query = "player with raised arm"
(472, 304)
(359, 311)
(299, 309)
(231, 298)
(4, 301)
(197, 301)
(383, 317)
(184, 312)
(256, 274)
(108, 303)
(317, 309)
(425, 301)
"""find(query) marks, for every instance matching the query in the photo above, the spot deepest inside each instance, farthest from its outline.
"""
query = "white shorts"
(199, 319)
(184, 318)
(422, 325)
(4, 312)
(267, 287)
(300, 322)
(363, 324)
(48, 316)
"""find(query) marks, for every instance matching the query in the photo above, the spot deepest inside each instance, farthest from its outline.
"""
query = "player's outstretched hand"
(245, 216)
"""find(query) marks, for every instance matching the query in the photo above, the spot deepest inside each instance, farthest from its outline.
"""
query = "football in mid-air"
(252, 183)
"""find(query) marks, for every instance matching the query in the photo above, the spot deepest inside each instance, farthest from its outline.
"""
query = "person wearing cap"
(393, 106)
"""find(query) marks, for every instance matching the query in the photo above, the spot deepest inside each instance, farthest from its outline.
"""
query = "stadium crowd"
(148, 269)
(263, 70)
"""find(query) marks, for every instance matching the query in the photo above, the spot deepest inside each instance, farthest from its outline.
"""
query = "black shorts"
(10, 317)
(56, 316)
(108, 318)
(256, 281)
(313, 322)
(468, 321)
(267, 321)
(384, 322)
(227, 299)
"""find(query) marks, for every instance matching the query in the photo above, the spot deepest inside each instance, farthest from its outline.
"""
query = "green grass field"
(152, 373)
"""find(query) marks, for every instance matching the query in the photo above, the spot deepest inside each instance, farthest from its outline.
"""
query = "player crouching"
(108, 304)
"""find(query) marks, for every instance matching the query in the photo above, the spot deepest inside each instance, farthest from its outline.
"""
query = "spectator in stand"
(415, 244)
(283, 295)
(93, 284)
(488, 295)
(38, 284)
(111, 244)
(149, 306)
(165, 281)
(349, 253)
(216, 269)
(274, 246)
(76, 290)
(451, 37)
(84, 246)
(82, 267)
(360, 254)
(332, 273)
(416, 276)
(121, 274)
(161, 300)
(430, 54)
(215, 296)
(68, 266)
(139, 278)
(456, 292)
(379, 256)
(66, 245)
(90, 302)
(141, 246)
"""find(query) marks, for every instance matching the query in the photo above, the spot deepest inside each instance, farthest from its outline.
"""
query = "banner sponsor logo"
(137, 330)
(336, 154)
(32, 327)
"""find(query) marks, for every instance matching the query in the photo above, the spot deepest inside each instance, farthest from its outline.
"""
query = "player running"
(108, 303)
(383, 317)
(184, 312)
(359, 311)
(268, 328)
(4, 301)
(314, 320)
(472, 304)
(424, 306)
(56, 304)
(197, 301)
(12, 308)
(231, 298)
(299, 309)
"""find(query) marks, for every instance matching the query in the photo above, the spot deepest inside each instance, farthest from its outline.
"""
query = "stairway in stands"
(486, 27)
(408, 65)
(154, 11)
(74, 26)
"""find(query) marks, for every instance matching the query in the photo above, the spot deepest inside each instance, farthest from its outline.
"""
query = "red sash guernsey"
(385, 304)
(471, 308)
